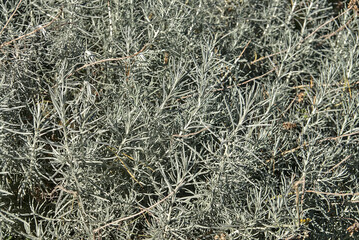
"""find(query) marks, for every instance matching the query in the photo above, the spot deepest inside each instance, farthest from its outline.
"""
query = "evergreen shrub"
(179, 119)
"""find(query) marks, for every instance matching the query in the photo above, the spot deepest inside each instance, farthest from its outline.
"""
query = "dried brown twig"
(59, 187)
(333, 194)
(190, 134)
(112, 59)
(337, 165)
(109, 60)
(17, 6)
(30, 33)
(336, 138)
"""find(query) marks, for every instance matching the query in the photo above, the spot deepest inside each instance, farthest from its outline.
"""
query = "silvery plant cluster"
(179, 119)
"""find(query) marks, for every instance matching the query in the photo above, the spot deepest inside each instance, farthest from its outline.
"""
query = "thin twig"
(139, 213)
(18, 5)
(114, 151)
(337, 165)
(255, 78)
(297, 199)
(229, 87)
(335, 138)
(30, 33)
(190, 134)
(287, 109)
(245, 82)
(305, 144)
(112, 59)
(333, 194)
(301, 41)
(243, 50)
(338, 30)
(74, 193)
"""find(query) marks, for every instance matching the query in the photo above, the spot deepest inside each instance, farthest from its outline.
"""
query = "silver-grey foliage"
(130, 119)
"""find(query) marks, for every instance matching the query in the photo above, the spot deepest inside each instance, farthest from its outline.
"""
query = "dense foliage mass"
(179, 119)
